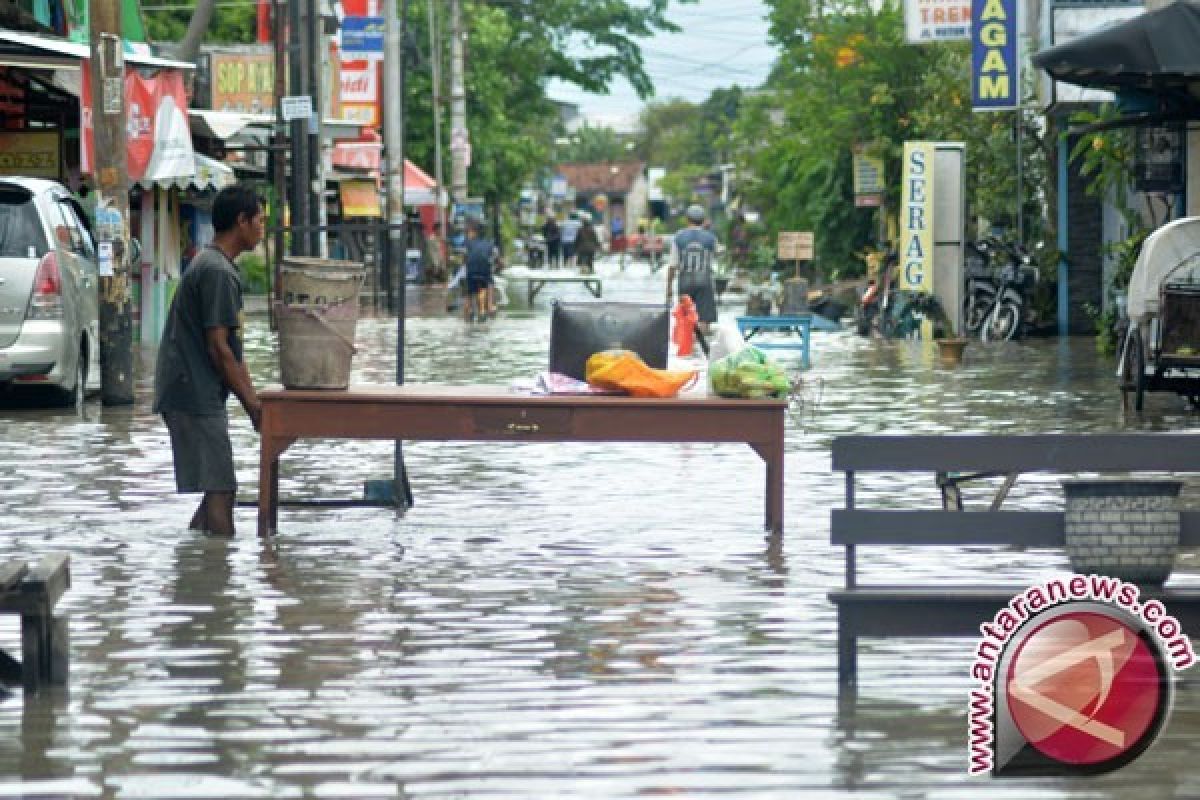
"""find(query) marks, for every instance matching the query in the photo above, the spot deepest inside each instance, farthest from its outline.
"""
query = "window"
(21, 233)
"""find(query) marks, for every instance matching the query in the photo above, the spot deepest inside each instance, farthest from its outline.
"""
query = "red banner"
(160, 144)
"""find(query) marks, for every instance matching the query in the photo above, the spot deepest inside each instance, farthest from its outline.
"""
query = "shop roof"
(34, 50)
(610, 177)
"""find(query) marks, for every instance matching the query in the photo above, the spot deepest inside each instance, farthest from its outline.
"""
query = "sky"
(721, 43)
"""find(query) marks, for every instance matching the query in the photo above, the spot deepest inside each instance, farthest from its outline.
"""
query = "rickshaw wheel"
(1134, 381)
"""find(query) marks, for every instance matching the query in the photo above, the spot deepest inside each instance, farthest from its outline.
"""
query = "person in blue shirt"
(480, 257)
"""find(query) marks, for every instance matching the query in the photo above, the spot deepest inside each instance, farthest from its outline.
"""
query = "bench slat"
(10, 573)
(1091, 452)
(1028, 528)
(950, 528)
(895, 611)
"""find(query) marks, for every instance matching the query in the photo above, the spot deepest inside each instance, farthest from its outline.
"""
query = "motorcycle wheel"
(975, 312)
(1002, 325)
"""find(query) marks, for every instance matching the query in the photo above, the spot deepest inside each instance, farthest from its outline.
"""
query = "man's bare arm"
(233, 372)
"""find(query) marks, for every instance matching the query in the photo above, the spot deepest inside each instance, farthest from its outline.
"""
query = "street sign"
(362, 37)
(296, 107)
(795, 246)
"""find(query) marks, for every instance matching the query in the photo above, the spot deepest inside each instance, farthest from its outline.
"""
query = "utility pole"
(297, 86)
(278, 153)
(460, 140)
(435, 58)
(111, 171)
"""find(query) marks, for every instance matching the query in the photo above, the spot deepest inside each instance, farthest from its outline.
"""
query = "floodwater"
(568, 620)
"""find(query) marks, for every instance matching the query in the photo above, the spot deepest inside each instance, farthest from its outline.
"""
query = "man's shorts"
(477, 281)
(203, 453)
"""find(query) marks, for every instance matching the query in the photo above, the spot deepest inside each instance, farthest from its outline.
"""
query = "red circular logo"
(1085, 688)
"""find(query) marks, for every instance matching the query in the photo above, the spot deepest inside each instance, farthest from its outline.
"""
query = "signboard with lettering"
(243, 82)
(795, 246)
(868, 179)
(362, 37)
(995, 71)
(297, 107)
(32, 153)
(936, 20)
(916, 218)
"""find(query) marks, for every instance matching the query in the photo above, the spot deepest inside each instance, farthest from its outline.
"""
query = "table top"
(482, 394)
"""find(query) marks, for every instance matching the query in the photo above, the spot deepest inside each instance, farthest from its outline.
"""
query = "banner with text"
(916, 218)
(995, 72)
(936, 20)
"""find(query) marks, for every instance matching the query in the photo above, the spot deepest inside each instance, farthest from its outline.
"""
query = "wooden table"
(796, 324)
(496, 413)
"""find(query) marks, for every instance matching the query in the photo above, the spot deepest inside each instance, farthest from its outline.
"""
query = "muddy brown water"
(566, 620)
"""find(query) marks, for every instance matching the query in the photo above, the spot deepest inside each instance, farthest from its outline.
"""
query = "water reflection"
(549, 620)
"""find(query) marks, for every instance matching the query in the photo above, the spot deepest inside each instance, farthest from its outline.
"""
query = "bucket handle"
(321, 321)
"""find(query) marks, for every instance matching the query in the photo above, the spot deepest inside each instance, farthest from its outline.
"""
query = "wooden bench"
(953, 611)
(32, 592)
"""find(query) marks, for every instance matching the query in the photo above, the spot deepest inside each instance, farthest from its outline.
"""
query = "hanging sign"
(916, 218)
(795, 246)
(868, 179)
(995, 73)
(362, 37)
(936, 20)
(296, 107)
(32, 153)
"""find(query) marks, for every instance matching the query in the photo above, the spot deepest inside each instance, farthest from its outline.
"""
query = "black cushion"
(580, 329)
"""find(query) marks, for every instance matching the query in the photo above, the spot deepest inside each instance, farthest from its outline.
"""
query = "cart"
(1161, 348)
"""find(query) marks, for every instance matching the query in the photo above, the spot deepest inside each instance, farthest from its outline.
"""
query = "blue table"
(794, 324)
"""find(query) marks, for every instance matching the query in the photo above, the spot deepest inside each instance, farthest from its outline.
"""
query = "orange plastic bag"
(685, 325)
(621, 369)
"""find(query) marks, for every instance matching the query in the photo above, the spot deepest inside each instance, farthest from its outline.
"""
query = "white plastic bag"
(724, 340)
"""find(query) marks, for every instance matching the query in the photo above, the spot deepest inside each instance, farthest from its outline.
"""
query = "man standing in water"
(693, 253)
(200, 361)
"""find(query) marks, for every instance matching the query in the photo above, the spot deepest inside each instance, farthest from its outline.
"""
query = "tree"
(192, 22)
(591, 144)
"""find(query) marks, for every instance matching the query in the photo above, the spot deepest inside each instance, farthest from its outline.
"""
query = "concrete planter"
(1127, 529)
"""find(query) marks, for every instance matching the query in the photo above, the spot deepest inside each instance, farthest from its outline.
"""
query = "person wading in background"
(200, 361)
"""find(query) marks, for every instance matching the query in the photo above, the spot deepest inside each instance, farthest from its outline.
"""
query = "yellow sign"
(916, 218)
(243, 82)
(32, 153)
(360, 199)
(795, 246)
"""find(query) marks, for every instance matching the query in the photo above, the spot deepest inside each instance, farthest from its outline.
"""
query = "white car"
(49, 331)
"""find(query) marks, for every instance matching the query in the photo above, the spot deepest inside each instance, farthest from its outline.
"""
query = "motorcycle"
(1002, 316)
(872, 314)
(980, 290)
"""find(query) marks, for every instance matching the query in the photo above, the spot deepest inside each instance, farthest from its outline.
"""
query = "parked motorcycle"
(999, 312)
(980, 290)
(871, 315)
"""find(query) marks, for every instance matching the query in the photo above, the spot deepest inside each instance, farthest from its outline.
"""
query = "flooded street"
(550, 620)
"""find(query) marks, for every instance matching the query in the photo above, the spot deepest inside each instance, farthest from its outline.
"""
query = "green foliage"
(254, 273)
(846, 76)
(232, 24)
(592, 144)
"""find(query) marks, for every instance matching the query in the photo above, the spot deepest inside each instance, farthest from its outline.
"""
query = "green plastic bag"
(748, 373)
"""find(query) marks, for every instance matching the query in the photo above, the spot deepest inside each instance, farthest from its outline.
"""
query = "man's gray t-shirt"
(209, 296)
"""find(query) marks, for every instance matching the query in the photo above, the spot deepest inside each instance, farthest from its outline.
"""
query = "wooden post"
(109, 154)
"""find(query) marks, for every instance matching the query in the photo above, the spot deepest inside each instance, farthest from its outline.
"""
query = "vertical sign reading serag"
(995, 72)
(916, 218)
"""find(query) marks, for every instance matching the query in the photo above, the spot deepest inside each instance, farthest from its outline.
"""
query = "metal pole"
(460, 140)
(393, 132)
(435, 50)
(298, 69)
(1020, 178)
(110, 168)
(279, 157)
(313, 67)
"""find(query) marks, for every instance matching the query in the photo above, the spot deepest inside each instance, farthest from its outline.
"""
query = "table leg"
(268, 488)
(772, 453)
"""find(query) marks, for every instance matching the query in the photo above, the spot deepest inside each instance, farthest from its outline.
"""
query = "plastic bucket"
(316, 345)
(319, 281)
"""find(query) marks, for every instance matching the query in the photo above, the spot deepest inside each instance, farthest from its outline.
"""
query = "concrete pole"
(111, 171)
(298, 69)
(435, 52)
(393, 131)
(460, 140)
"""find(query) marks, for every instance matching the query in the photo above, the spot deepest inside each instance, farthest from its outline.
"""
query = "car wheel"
(76, 396)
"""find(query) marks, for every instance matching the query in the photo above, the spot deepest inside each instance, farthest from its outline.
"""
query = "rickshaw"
(1161, 349)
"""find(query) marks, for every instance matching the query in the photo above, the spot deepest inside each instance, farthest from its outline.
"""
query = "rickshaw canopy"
(1170, 254)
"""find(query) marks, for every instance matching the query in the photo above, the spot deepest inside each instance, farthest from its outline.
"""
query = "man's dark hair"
(230, 203)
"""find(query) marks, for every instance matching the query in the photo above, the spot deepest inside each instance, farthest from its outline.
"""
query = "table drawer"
(516, 421)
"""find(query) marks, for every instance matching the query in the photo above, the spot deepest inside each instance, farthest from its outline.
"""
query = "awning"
(1156, 50)
(35, 51)
(225, 125)
(209, 175)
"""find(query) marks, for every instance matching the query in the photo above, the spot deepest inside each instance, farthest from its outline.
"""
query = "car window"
(21, 234)
(74, 211)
